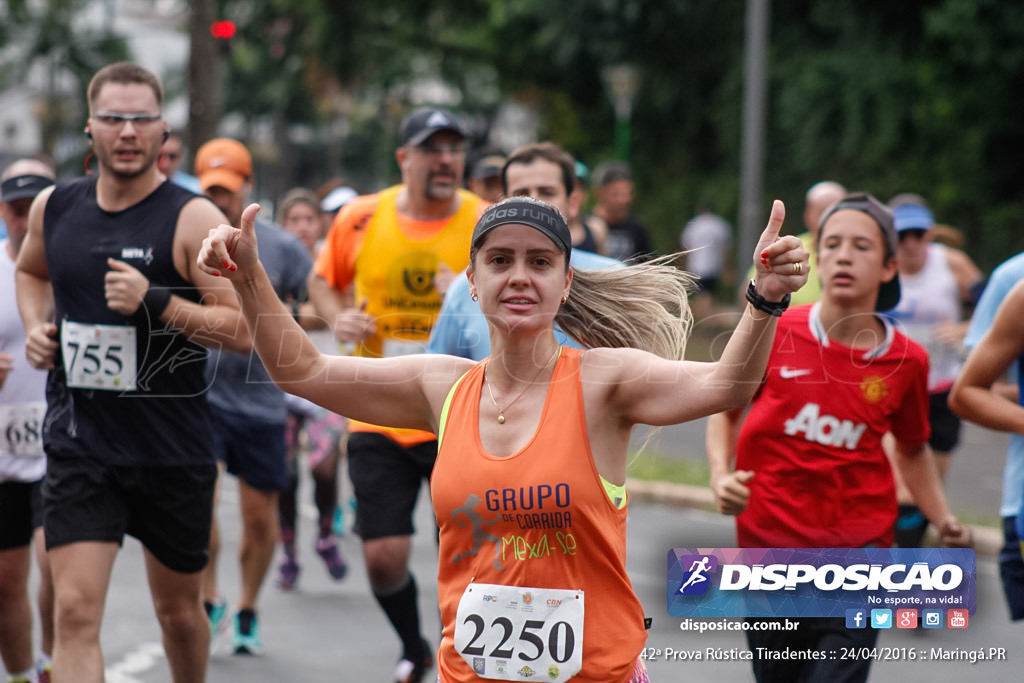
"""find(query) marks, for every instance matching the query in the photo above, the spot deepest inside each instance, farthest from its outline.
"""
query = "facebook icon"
(856, 618)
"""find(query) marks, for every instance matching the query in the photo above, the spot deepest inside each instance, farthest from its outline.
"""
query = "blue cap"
(912, 217)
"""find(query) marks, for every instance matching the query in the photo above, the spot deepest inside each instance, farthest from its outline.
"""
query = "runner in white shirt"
(937, 281)
(22, 461)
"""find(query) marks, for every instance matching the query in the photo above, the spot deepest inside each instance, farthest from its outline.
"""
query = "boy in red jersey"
(810, 468)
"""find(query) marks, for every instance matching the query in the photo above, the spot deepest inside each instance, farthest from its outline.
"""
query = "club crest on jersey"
(874, 388)
(826, 430)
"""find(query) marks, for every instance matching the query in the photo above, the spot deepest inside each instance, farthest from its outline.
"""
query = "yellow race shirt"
(390, 260)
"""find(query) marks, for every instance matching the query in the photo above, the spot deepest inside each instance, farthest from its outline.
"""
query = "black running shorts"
(169, 509)
(387, 478)
(16, 514)
(252, 450)
(944, 422)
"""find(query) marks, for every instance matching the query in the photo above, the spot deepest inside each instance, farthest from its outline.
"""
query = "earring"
(565, 297)
(473, 295)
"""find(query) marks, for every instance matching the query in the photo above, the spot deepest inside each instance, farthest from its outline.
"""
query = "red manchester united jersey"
(813, 437)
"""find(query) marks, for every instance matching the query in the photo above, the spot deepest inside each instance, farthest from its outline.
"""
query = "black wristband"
(760, 303)
(156, 300)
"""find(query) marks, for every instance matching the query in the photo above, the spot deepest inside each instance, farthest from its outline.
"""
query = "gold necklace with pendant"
(501, 411)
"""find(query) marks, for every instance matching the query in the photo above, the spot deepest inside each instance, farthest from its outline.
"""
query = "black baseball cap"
(423, 123)
(889, 292)
(526, 211)
(24, 186)
(488, 167)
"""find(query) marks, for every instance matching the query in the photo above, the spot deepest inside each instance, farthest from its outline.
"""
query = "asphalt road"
(326, 631)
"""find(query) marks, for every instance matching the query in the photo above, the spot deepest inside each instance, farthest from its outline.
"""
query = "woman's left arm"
(652, 390)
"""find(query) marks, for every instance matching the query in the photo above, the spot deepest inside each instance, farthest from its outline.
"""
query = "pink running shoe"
(327, 548)
(287, 573)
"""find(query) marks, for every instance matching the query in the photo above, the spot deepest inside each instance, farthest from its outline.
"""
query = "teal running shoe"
(246, 638)
(338, 524)
(216, 613)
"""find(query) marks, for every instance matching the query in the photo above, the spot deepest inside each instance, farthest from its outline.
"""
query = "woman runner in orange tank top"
(529, 484)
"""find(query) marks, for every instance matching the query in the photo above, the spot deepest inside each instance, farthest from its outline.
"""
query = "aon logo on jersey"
(827, 430)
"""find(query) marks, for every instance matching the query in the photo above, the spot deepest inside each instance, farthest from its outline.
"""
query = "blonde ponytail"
(642, 306)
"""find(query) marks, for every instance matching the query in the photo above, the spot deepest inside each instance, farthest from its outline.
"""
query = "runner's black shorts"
(20, 513)
(386, 478)
(944, 422)
(169, 509)
(1011, 569)
(252, 450)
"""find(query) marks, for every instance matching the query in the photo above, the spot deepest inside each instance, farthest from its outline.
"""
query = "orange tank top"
(538, 518)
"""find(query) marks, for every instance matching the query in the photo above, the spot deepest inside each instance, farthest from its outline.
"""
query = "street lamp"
(622, 82)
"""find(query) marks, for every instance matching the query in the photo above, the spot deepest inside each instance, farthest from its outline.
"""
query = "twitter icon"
(881, 618)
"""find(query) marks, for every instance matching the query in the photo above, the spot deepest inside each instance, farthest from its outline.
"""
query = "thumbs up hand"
(781, 263)
(231, 252)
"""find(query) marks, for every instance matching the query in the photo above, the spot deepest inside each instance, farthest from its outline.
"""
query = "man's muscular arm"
(34, 291)
(217, 322)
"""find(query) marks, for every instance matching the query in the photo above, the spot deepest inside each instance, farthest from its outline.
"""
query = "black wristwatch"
(776, 308)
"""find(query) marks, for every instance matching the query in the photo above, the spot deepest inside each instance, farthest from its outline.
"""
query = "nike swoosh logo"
(790, 373)
(21, 182)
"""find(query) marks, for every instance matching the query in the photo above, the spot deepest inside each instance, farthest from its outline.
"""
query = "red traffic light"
(222, 29)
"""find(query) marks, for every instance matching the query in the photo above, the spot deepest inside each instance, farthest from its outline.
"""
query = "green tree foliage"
(917, 95)
(898, 97)
(50, 33)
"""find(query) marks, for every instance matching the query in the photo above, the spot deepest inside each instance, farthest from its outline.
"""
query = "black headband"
(526, 211)
(23, 187)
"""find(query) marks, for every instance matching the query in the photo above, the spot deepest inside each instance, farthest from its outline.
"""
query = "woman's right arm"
(397, 392)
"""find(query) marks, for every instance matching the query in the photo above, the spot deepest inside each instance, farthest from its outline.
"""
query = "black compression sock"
(910, 526)
(403, 611)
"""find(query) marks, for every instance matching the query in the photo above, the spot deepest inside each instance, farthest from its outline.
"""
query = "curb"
(988, 541)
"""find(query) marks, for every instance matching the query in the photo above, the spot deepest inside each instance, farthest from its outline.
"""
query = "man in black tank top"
(118, 312)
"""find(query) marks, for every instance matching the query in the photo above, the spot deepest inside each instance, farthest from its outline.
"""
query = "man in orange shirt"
(379, 280)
